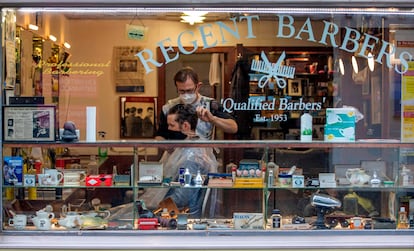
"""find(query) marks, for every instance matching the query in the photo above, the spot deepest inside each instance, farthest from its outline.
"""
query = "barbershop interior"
(132, 120)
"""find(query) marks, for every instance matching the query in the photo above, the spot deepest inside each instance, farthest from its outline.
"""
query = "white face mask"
(188, 98)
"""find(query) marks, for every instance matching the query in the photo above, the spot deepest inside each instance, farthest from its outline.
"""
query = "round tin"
(285, 180)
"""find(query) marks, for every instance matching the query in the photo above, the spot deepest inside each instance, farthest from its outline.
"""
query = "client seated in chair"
(183, 118)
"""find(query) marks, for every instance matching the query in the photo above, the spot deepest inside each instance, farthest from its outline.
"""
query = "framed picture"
(138, 117)
(295, 86)
(29, 123)
(128, 73)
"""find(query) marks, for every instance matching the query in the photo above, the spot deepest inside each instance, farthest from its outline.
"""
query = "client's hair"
(185, 112)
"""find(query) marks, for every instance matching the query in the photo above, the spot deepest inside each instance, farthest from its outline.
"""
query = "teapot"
(70, 220)
(42, 220)
(357, 176)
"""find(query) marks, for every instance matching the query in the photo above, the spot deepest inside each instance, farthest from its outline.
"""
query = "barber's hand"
(204, 114)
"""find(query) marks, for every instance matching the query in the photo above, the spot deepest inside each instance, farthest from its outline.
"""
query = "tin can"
(181, 176)
(276, 219)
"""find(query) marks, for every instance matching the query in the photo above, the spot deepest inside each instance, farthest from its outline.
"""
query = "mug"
(73, 177)
(19, 221)
(49, 179)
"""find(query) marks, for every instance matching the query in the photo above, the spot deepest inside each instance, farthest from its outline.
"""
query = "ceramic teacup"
(50, 179)
(73, 177)
(19, 221)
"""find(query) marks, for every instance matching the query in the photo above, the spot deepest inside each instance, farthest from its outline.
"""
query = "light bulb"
(355, 64)
(371, 63)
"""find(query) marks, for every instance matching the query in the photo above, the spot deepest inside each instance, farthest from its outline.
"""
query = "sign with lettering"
(352, 40)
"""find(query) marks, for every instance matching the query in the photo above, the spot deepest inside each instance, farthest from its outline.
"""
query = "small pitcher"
(357, 176)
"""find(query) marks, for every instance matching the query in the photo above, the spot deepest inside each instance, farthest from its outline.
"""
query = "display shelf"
(361, 143)
(231, 199)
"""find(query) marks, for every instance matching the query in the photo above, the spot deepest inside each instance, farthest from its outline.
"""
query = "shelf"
(368, 143)
(311, 158)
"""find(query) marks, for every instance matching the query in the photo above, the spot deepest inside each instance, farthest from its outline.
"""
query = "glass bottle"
(271, 178)
(198, 179)
(402, 219)
(187, 178)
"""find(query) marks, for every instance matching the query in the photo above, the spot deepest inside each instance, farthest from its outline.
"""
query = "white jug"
(357, 176)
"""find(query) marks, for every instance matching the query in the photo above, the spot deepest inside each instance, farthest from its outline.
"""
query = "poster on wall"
(407, 105)
(128, 72)
(29, 123)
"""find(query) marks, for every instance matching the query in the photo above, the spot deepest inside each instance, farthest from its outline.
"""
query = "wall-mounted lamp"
(67, 45)
(33, 27)
(53, 38)
(371, 63)
(193, 17)
(355, 64)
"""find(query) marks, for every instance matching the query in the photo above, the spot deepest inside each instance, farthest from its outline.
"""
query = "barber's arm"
(228, 125)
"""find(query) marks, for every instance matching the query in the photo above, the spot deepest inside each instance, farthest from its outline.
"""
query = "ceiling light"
(355, 64)
(67, 45)
(53, 38)
(192, 19)
(195, 13)
(33, 27)
(371, 62)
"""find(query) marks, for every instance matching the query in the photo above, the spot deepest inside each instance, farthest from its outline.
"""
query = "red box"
(98, 180)
(147, 223)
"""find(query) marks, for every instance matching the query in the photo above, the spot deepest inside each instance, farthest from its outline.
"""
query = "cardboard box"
(337, 134)
(13, 170)
(247, 164)
(340, 115)
(121, 180)
(99, 180)
(327, 180)
(147, 223)
(340, 125)
(248, 221)
(150, 172)
(243, 182)
(298, 181)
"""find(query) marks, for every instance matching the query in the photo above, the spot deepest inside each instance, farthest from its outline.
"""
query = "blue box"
(13, 170)
(340, 125)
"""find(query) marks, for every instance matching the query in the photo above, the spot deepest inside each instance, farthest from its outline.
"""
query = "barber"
(209, 112)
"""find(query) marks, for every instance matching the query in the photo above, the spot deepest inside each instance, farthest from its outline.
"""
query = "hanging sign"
(136, 32)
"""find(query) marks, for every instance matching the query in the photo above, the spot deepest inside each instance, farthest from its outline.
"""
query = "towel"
(215, 69)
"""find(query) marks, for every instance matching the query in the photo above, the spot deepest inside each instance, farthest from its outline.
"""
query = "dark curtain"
(240, 94)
